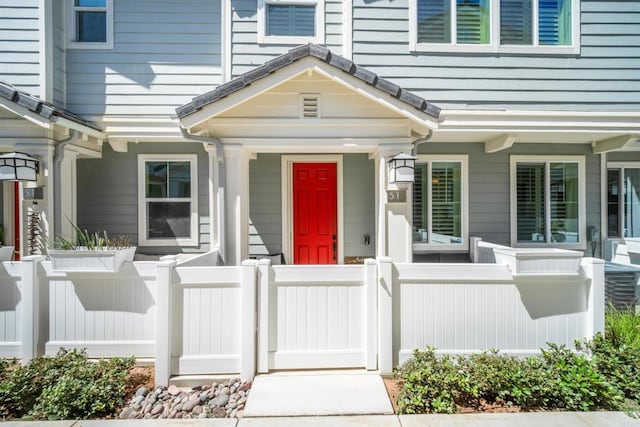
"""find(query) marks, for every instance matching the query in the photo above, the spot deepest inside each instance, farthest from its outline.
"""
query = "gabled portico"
(311, 102)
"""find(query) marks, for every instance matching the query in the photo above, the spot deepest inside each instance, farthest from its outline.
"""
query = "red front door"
(315, 224)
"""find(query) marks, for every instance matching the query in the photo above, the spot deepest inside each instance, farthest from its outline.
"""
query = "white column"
(248, 322)
(164, 322)
(215, 216)
(594, 270)
(30, 307)
(237, 204)
(393, 220)
(68, 194)
(385, 315)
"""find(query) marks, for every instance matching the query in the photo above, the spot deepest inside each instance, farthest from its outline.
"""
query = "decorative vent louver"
(310, 105)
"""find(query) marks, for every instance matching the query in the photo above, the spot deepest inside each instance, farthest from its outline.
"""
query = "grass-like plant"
(622, 328)
(92, 241)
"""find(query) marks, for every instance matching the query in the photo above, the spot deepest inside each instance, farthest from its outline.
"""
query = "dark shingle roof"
(294, 55)
(39, 107)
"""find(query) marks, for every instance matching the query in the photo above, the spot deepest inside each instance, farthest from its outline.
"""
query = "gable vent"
(310, 105)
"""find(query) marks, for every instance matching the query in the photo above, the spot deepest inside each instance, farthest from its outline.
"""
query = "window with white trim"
(290, 21)
(548, 201)
(90, 24)
(168, 208)
(440, 203)
(623, 200)
(534, 26)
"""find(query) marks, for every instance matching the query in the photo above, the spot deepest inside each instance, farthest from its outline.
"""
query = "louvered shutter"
(554, 22)
(516, 22)
(291, 20)
(472, 21)
(434, 21)
(420, 200)
(530, 202)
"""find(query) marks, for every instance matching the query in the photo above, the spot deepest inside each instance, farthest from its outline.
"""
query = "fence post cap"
(249, 262)
(384, 259)
(264, 261)
(369, 261)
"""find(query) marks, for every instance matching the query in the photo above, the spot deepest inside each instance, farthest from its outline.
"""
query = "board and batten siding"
(265, 205)
(20, 44)
(489, 191)
(248, 54)
(165, 53)
(603, 77)
(108, 192)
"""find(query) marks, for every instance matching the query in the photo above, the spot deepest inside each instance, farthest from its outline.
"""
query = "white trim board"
(287, 162)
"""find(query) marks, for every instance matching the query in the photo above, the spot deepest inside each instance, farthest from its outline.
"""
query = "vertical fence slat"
(385, 315)
(371, 313)
(248, 321)
(264, 299)
(164, 322)
(30, 307)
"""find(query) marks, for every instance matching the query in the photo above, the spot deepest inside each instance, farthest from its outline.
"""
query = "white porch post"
(216, 194)
(68, 194)
(393, 220)
(385, 315)
(164, 321)
(237, 204)
(264, 305)
(248, 323)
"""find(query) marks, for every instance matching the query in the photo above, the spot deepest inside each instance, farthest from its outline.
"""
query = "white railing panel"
(109, 314)
(319, 317)
(209, 320)
(465, 314)
(10, 309)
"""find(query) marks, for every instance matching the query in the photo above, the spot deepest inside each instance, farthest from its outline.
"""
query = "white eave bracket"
(615, 143)
(119, 145)
(499, 143)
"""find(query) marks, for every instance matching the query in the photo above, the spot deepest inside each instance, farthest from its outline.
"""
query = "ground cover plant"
(67, 386)
(603, 375)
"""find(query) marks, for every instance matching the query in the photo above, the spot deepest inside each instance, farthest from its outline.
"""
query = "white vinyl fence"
(196, 319)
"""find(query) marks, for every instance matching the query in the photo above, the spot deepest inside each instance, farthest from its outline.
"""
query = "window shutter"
(291, 20)
(472, 21)
(516, 25)
(434, 21)
(530, 201)
(554, 20)
(420, 200)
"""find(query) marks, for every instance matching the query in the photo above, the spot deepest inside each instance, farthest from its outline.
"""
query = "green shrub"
(65, 386)
(619, 364)
(622, 328)
(558, 379)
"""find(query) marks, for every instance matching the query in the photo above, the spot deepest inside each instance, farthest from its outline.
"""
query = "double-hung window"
(548, 201)
(623, 200)
(533, 26)
(440, 203)
(290, 21)
(90, 24)
(168, 210)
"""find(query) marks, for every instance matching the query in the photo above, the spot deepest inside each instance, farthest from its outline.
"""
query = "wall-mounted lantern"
(401, 169)
(18, 167)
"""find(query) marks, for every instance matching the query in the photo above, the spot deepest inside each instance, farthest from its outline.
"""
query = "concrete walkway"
(318, 393)
(534, 419)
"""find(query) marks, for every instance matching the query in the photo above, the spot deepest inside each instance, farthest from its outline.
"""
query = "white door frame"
(287, 162)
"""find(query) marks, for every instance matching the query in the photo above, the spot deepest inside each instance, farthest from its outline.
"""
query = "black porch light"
(18, 167)
(402, 169)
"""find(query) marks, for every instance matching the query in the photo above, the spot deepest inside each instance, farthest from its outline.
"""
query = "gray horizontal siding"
(19, 44)
(59, 56)
(489, 191)
(108, 192)
(247, 53)
(165, 53)
(603, 76)
(265, 204)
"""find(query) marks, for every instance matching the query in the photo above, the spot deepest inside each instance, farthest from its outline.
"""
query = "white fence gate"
(316, 317)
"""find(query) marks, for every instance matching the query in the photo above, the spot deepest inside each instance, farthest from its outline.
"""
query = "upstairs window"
(535, 26)
(91, 24)
(290, 21)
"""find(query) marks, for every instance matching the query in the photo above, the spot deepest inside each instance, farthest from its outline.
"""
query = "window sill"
(89, 45)
(293, 40)
(490, 49)
(168, 242)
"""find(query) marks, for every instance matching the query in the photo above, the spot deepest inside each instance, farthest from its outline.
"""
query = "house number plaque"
(397, 196)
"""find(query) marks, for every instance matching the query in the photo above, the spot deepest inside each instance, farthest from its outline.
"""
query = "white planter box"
(539, 261)
(633, 244)
(6, 253)
(108, 260)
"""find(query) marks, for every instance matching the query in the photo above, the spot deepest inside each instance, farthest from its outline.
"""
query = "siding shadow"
(546, 298)
(9, 293)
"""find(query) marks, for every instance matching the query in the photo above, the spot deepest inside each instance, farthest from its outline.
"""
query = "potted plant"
(92, 252)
